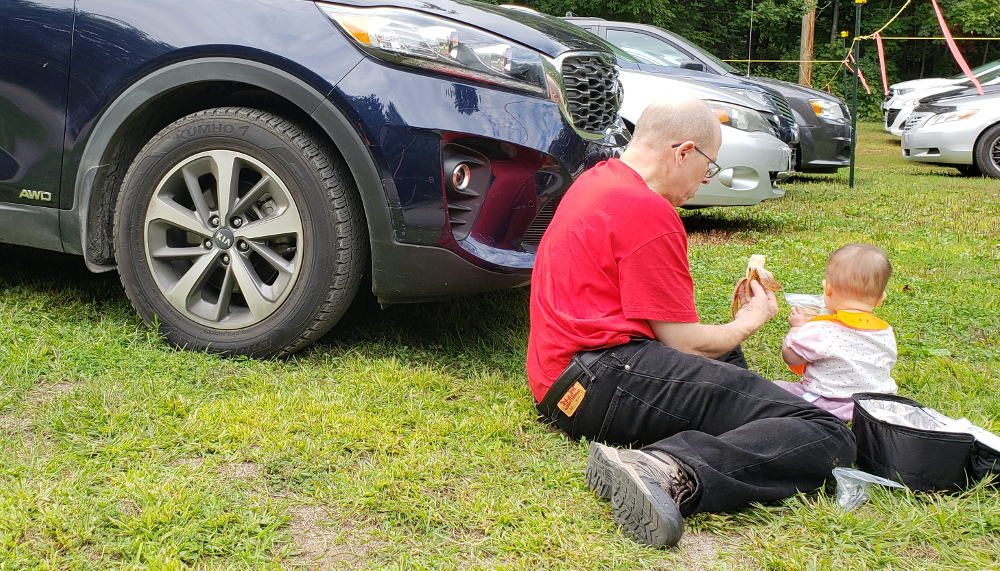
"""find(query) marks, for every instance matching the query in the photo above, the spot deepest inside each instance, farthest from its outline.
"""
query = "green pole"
(854, 96)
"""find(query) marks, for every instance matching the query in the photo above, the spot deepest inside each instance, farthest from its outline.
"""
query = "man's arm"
(716, 340)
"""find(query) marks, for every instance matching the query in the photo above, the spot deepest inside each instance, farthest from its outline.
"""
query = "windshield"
(701, 51)
(623, 54)
(976, 71)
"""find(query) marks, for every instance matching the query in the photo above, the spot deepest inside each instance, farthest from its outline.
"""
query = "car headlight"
(952, 116)
(902, 91)
(742, 118)
(826, 109)
(414, 39)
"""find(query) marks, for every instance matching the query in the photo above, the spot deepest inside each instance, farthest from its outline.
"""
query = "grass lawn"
(406, 439)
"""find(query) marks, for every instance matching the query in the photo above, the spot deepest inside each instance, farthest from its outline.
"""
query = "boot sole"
(643, 510)
(598, 474)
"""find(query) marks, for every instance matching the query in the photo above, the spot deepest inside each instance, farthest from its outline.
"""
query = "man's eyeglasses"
(713, 167)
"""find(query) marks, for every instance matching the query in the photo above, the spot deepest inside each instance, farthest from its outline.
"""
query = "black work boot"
(644, 490)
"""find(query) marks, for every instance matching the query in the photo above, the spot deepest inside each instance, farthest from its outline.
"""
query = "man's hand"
(800, 316)
(716, 340)
(758, 309)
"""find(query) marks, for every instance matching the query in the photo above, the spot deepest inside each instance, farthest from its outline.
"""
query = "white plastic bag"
(852, 487)
(808, 302)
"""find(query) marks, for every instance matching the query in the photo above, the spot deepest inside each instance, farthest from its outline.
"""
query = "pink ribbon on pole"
(861, 76)
(881, 63)
(954, 49)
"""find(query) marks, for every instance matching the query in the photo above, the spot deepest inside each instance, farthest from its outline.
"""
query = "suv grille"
(592, 92)
(784, 109)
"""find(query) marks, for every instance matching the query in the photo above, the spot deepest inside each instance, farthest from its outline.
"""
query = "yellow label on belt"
(572, 399)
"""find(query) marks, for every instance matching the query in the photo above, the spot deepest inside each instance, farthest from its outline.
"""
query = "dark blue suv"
(247, 166)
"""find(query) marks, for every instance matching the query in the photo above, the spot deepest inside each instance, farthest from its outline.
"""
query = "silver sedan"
(963, 132)
(753, 160)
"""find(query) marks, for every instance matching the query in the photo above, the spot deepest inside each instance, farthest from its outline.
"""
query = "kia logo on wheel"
(223, 238)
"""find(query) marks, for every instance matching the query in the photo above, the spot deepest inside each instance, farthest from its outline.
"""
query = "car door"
(35, 42)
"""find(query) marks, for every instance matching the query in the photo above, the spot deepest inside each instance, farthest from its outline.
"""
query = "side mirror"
(692, 65)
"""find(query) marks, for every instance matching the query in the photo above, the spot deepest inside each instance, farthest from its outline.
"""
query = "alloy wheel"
(223, 239)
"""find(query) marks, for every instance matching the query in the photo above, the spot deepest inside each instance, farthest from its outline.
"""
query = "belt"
(577, 370)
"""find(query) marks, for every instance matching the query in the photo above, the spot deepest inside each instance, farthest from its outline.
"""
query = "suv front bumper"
(470, 177)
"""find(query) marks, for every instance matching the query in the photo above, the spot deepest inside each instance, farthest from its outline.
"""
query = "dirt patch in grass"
(246, 471)
(45, 392)
(322, 539)
(194, 462)
(706, 551)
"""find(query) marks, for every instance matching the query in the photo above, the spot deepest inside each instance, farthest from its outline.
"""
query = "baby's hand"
(800, 316)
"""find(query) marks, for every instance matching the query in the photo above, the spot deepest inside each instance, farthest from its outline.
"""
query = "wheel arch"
(979, 139)
(175, 91)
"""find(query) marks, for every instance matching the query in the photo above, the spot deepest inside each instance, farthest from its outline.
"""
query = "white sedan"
(905, 87)
(963, 132)
(753, 160)
(901, 106)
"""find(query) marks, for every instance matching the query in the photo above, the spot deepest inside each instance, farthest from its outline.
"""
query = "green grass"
(406, 439)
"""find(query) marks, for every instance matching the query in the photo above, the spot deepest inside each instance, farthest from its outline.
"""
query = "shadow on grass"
(55, 272)
(728, 225)
(495, 321)
(487, 325)
(826, 178)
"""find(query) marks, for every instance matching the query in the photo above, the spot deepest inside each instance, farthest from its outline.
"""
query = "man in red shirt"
(616, 353)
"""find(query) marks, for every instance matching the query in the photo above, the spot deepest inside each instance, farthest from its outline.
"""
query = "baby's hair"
(859, 270)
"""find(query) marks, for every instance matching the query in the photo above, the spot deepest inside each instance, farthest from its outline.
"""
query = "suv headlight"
(826, 109)
(742, 118)
(952, 116)
(414, 39)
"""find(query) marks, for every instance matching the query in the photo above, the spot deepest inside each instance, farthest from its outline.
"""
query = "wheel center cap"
(223, 238)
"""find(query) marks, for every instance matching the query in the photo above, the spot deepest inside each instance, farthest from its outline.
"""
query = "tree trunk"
(923, 60)
(834, 33)
(806, 47)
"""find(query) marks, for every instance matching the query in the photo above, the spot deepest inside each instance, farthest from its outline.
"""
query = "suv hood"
(546, 34)
(642, 88)
(787, 88)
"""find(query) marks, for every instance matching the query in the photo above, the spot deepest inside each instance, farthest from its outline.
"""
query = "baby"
(851, 350)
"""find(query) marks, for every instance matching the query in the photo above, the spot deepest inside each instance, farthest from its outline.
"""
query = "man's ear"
(681, 152)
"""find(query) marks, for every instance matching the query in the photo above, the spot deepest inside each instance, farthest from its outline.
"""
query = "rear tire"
(987, 152)
(237, 232)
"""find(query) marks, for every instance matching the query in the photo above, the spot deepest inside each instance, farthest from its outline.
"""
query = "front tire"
(236, 232)
(987, 152)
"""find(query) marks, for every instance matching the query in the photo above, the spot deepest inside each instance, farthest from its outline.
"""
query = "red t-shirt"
(614, 256)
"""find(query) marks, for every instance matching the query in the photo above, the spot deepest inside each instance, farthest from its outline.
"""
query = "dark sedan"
(823, 120)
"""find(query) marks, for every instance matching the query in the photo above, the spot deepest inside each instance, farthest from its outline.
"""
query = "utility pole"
(854, 96)
(806, 44)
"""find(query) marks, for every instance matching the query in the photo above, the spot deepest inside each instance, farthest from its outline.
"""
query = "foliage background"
(722, 26)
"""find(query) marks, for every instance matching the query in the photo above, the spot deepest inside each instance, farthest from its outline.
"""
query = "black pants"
(743, 438)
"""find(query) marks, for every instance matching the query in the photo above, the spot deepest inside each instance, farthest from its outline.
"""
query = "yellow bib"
(855, 320)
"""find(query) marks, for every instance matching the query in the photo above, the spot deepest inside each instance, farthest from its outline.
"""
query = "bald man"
(617, 355)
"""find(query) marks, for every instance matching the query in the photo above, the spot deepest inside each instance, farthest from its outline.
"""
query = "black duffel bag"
(919, 456)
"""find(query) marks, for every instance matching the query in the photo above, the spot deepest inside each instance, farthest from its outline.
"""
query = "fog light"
(461, 176)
